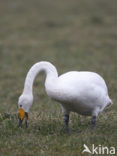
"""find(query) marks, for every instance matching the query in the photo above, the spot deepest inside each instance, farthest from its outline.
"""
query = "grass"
(73, 35)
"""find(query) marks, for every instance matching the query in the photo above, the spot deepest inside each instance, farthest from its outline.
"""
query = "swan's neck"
(48, 68)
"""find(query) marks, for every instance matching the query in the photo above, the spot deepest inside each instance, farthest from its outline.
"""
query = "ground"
(73, 35)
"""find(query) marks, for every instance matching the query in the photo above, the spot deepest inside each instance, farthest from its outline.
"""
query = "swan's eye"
(20, 105)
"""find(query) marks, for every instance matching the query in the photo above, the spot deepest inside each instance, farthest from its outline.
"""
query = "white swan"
(83, 92)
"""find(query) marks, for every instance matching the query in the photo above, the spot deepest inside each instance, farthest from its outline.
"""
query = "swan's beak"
(19, 122)
(21, 113)
(21, 116)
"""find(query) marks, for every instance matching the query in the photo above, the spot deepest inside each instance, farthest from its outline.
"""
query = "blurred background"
(71, 34)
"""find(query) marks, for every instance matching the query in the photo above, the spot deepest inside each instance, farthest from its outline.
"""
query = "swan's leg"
(66, 117)
(93, 122)
(94, 116)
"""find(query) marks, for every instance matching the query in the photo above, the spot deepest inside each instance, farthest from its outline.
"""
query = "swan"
(82, 92)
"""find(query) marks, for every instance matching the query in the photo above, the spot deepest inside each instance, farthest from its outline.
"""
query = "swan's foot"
(66, 119)
(93, 122)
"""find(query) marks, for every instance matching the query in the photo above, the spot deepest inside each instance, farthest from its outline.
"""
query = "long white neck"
(48, 68)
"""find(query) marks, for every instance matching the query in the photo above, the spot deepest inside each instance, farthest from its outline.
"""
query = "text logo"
(99, 149)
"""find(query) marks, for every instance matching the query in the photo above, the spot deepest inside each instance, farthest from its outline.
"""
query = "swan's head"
(24, 105)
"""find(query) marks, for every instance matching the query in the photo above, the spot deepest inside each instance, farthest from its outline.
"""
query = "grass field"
(73, 35)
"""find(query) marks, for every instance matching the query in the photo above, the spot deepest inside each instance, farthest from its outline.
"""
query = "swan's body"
(83, 92)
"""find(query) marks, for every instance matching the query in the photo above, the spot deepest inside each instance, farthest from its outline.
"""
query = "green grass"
(73, 35)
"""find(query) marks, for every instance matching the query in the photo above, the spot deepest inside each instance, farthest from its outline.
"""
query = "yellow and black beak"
(22, 114)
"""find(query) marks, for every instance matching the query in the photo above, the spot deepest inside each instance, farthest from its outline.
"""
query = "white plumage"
(83, 92)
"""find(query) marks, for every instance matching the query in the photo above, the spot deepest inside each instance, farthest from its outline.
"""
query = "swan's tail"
(109, 103)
